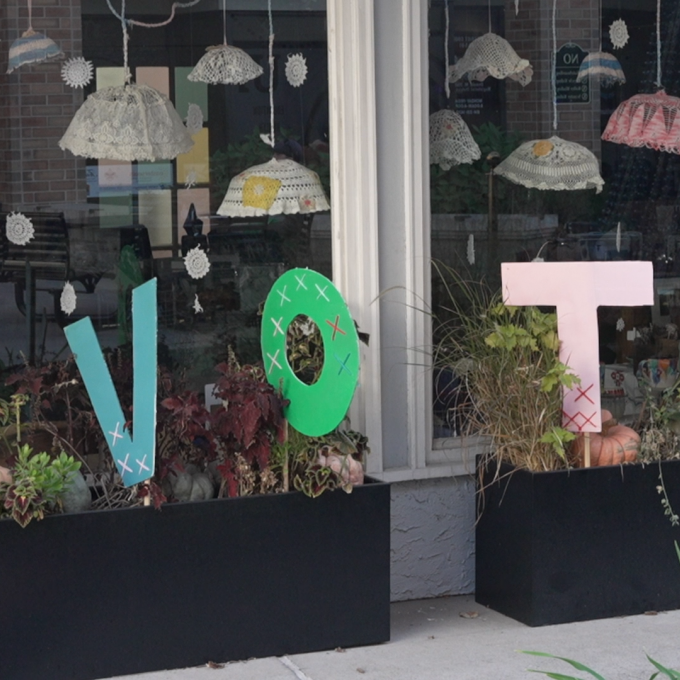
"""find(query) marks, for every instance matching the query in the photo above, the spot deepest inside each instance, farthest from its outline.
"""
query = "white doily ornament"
(127, 123)
(226, 65)
(197, 305)
(620, 325)
(194, 119)
(19, 228)
(491, 55)
(77, 72)
(296, 69)
(618, 34)
(197, 263)
(68, 299)
(190, 179)
(274, 188)
(450, 140)
(552, 164)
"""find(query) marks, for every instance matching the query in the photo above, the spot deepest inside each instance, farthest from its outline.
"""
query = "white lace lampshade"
(651, 120)
(601, 65)
(127, 123)
(491, 55)
(552, 164)
(32, 48)
(274, 188)
(225, 64)
(450, 140)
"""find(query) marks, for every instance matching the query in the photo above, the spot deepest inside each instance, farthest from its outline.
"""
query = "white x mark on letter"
(322, 292)
(282, 293)
(274, 361)
(115, 435)
(277, 326)
(141, 465)
(124, 465)
(301, 281)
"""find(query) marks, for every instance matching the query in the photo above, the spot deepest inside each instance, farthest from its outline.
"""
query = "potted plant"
(554, 542)
(281, 561)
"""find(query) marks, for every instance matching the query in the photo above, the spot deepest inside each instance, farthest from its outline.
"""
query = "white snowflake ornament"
(194, 119)
(68, 298)
(296, 69)
(618, 34)
(620, 325)
(197, 305)
(197, 263)
(190, 179)
(77, 72)
(19, 228)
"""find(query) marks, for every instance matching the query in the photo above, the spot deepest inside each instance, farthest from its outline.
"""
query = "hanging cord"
(126, 39)
(133, 22)
(489, 8)
(658, 43)
(271, 71)
(599, 14)
(447, 87)
(553, 74)
(224, 21)
(29, 31)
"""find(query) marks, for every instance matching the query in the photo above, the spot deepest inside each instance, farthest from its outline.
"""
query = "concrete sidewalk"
(453, 638)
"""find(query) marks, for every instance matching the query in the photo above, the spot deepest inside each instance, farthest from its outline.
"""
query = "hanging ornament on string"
(77, 72)
(280, 186)
(19, 229)
(197, 263)
(451, 142)
(601, 65)
(555, 163)
(649, 120)
(618, 34)
(128, 122)
(225, 64)
(68, 299)
(194, 119)
(32, 47)
(296, 70)
(198, 309)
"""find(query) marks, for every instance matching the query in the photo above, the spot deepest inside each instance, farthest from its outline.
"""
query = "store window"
(105, 225)
(480, 219)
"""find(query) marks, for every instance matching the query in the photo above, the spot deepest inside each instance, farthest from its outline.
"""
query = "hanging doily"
(32, 48)
(77, 72)
(620, 325)
(618, 34)
(225, 64)
(197, 263)
(601, 65)
(273, 188)
(296, 69)
(450, 140)
(651, 120)
(68, 299)
(194, 119)
(19, 228)
(197, 305)
(127, 123)
(552, 164)
(491, 55)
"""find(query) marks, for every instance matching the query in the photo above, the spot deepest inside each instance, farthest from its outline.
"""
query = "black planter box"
(99, 594)
(556, 547)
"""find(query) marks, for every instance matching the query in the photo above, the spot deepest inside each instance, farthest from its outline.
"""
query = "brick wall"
(530, 33)
(36, 107)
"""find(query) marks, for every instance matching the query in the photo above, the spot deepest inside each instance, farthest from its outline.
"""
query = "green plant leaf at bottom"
(577, 665)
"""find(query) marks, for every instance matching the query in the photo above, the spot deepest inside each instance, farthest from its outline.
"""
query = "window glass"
(480, 220)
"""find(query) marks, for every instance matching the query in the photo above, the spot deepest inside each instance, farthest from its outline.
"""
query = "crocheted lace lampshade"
(491, 55)
(552, 164)
(32, 48)
(273, 188)
(450, 140)
(127, 123)
(225, 64)
(651, 120)
(601, 65)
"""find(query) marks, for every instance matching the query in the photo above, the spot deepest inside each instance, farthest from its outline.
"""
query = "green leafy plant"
(38, 482)
(660, 669)
(507, 360)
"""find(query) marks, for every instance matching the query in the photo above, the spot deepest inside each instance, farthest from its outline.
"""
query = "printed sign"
(568, 61)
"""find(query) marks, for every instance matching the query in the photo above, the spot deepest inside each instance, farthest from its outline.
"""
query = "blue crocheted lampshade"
(32, 48)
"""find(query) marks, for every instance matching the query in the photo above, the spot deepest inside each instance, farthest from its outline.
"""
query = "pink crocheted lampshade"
(651, 120)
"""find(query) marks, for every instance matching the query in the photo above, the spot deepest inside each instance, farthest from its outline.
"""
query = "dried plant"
(507, 361)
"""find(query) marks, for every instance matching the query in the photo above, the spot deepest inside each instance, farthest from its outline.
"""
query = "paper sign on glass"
(134, 456)
(577, 289)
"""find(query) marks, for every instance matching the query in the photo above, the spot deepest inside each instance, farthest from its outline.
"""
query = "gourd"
(614, 445)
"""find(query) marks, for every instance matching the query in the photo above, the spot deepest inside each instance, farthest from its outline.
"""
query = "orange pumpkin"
(614, 445)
